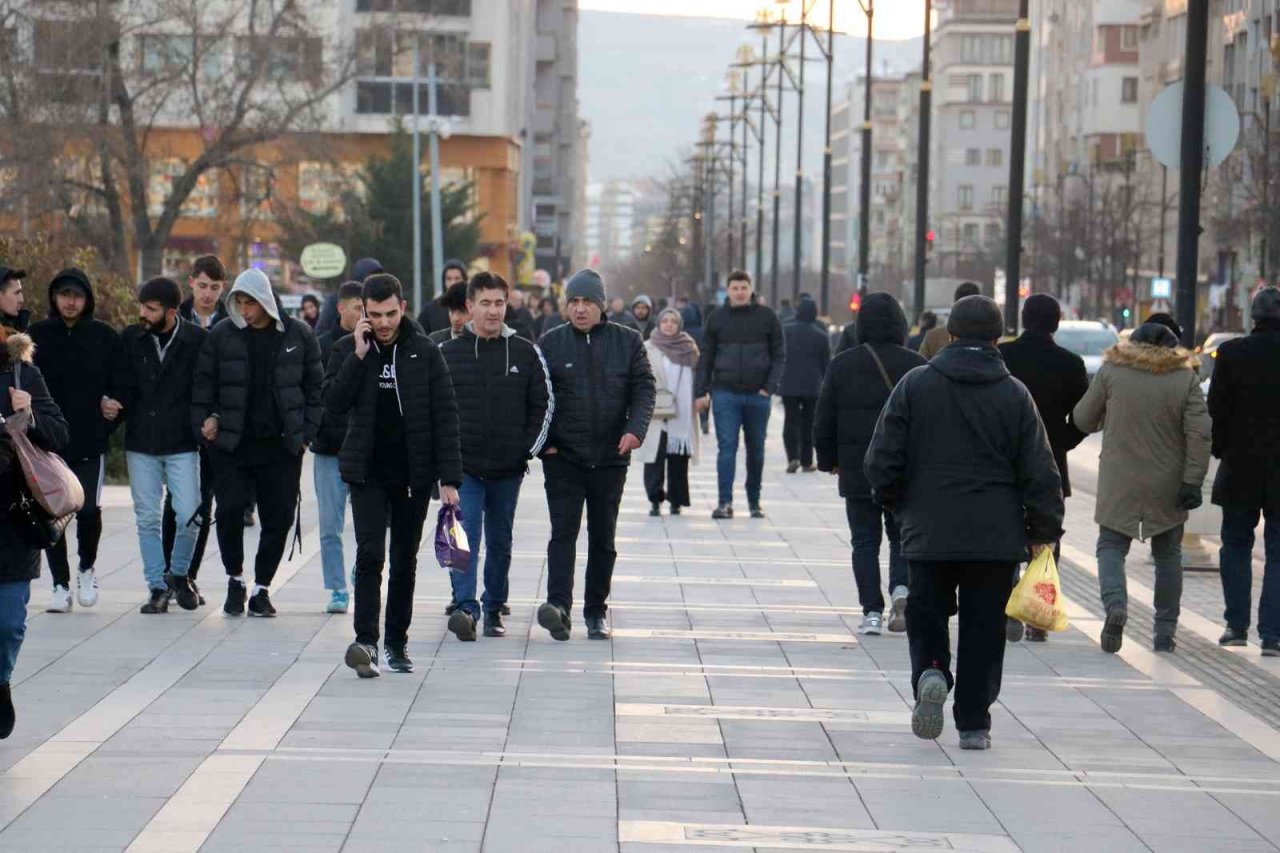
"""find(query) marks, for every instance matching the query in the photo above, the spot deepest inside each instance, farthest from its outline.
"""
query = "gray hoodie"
(254, 283)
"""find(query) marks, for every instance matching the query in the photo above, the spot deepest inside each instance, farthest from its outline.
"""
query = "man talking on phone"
(393, 386)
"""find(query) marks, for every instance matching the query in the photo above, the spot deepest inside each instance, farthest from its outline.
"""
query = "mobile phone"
(368, 336)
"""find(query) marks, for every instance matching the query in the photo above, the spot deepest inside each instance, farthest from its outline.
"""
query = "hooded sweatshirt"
(262, 417)
(808, 354)
(646, 325)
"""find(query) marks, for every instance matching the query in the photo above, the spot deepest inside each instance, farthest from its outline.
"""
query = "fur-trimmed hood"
(18, 346)
(1150, 359)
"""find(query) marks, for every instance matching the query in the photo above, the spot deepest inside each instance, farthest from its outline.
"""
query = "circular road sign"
(323, 260)
(1164, 126)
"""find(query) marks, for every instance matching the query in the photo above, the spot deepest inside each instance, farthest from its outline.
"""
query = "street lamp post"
(1017, 165)
(798, 214)
(777, 159)
(864, 191)
(922, 165)
(1193, 98)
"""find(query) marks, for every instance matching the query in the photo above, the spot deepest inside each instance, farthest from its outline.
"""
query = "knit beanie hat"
(163, 290)
(586, 284)
(1041, 313)
(1155, 335)
(976, 318)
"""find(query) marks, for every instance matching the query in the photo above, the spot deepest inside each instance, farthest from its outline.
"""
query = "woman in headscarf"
(672, 439)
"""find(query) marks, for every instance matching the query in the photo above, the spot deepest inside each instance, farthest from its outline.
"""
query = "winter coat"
(692, 320)
(521, 321)
(442, 336)
(544, 323)
(156, 395)
(848, 338)
(648, 452)
(645, 326)
(187, 311)
(18, 560)
(855, 392)
(426, 401)
(808, 354)
(79, 365)
(1244, 401)
(16, 322)
(434, 317)
(1155, 427)
(935, 340)
(1057, 379)
(333, 428)
(505, 404)
(603, 388)
(624, 318)
(743, 350)
(961, 458)
(222, 378)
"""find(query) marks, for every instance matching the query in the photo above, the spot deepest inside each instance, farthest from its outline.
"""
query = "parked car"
(1209, 351)
(1088, 339)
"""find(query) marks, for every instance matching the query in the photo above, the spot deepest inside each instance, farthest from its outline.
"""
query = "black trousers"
(374, 508)
(169, 524)
(275, 480)
(667, 478)
(88, 522)
(569, 486)
(797, 428)
(983, 590)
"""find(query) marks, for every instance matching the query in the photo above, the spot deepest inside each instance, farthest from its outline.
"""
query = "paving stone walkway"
(735, 709)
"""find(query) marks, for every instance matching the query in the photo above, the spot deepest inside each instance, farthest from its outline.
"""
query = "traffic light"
(929, 237)
(855, 302)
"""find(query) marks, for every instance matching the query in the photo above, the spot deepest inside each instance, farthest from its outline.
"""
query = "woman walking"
(672, 440)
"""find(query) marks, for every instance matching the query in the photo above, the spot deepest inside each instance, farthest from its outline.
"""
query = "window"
(1129, 90)
(966, 119)
(993, 233)
(964, 197)
(1128, 38)
(996, 90)
(1002, 50)
(202, 203)
(1002, 119)
(971, 49)
(973, 157)
(999, 195)
(321, 186)
(478, 65)
(970, 234)
(432, 7)
(995, 156)
(281, 58)
(387, 57)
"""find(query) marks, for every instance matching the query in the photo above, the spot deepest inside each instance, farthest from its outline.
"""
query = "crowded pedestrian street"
(734, 708)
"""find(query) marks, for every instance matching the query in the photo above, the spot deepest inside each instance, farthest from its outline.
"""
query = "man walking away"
(257, 402)
(808, 354)
(960, 458)
(856, 388)
(13, 316)
(604, 393)
(331, 491)
(435, 316)
(393, 386)
(78, 357)
(928, 321)
(743, 357)
(1146, 400)
(455, 301)
(1057, 379)
(938, 337)
(504, 409)
(157, 371)
(1244, 401)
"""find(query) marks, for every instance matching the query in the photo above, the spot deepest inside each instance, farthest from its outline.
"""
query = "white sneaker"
(898, 613)
(870, 624)
(87, 588)
(60, 601)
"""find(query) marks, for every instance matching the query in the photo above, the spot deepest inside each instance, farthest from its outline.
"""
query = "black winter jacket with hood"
(333, 429)
(505, 404)
(79, 364)
(434, 316)
(961, 458)
(1244, 401)
(808, 354)
(604, 388)
(425, 394)
(855, 392)
(19, 561)
(223, 374)
(743, 350)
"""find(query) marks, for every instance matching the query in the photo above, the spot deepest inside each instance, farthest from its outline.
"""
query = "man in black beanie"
(961, 458)
(1057, 379)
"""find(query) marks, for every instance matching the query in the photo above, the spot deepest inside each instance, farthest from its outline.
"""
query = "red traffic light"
(855, 302)
(929, 236)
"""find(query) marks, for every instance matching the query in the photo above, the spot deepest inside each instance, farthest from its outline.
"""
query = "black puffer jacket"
(505, 403)
(18, 560)
(604, 388)
(854, 392)
(961, 458)
(79, 366)
(157, 395)
(333, 428)
(426, 400)
(222, 378)
(808, 354)
(1244, 401)
(743, 350)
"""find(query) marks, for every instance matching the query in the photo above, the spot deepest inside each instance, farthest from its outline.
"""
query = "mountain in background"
(646, 81)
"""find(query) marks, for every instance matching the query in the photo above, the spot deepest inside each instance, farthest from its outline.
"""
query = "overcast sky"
(895, 19)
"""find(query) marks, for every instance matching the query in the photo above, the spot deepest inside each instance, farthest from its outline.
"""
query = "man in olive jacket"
(604, 392)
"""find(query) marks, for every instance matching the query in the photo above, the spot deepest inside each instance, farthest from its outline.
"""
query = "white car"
(1087, 339)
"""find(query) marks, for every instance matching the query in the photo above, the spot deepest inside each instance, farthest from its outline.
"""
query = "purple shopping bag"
(452, 549)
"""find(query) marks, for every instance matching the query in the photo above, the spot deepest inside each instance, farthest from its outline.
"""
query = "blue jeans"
(749, 414)
(1236, 561)
(13, 624)
(488, 506)
(331, 498)
(149, 476)
(866, 521)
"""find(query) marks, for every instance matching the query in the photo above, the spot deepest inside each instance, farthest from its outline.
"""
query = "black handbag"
(34, 525)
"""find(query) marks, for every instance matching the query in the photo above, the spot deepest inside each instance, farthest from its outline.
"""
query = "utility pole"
(764, 140)
(825, 282)
(864, 190)
(798, 215)
(731, 231)
(777, 159)
(1193, 101)
(437, 226)
(417, 189)
(746, 142)
(1017, 165)
(922, 165)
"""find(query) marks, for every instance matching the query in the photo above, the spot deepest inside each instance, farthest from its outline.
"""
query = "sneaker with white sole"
(339, 601)
(87, 588)
(363, 659)
(871, 624)
(898, 610)
(60, 600)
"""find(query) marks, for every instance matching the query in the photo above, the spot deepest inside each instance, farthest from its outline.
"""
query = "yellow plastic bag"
(1037, 599)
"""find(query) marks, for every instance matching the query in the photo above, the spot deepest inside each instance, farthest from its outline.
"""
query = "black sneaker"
(1164, 644)
(756, 511)
(398, 658)
(555, 620)
(598, 628)
(493, 626)
(1013, 630)
(363, 659)
(655, 510)
(1037, 635)
(7, 714)
(1113, 630)
(234, 605)
(505, 610)
(463, 626)
(722, 512)
(158, 603)
(260, 605)
(184, 592)
(450, 607)
(1271, 648)
(1232, 637)
(199, 596)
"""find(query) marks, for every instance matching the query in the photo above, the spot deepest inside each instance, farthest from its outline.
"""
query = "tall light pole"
(1017, 165)
(824, 285)
(777, 158)
(764, 140)
(417, 188)
(922, 165)
(1193, 98)
(864, 189)
(437, 225)
(798, 214)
